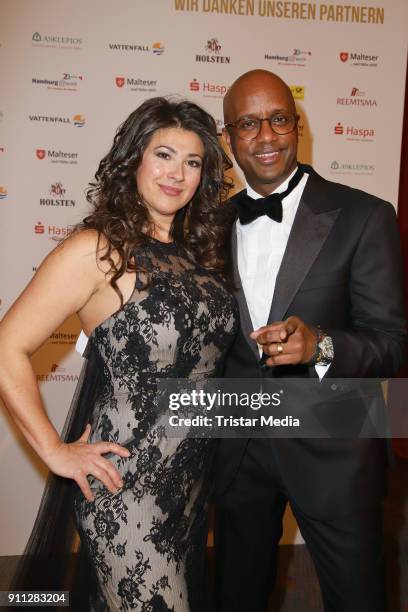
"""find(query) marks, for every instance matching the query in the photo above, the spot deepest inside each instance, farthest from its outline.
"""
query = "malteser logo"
(297, 58)
(213, 48)
(209, 90)
(351, 168)
(56, 41)
(353, 133)
(57, 157)
(358, 59)
(357, 98)
(298, 92)
(58, 191)
(136, 84)
(3, 193)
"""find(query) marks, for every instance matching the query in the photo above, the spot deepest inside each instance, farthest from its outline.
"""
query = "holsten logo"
(156, 48)
(210, 90)
(358, 59)
(53, 232)
(212, 55)
(354, 133)
(57, 192)
(351, 168)
(298, 91)
(296, 58)
(68, 82)
(57, 373)
(3, 193)
(57, 157)
(135, 84)
(357, 98)
(56, 41)
(77, 120)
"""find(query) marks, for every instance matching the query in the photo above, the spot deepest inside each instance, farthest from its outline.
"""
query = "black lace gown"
(147, 542)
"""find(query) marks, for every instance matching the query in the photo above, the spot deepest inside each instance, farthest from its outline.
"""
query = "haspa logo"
(213, 48)
(68, 82)
(210, 90)
(56, 41)
(157, 48)
(298, 91)
(351, 168)
(3, 193)
(354, 133)
(358, 59)
(54, 232)
(57, 199)
(135, 84)
(56, 372)
(357, 98)
(295, 58)
(79, 120)
(57, 157)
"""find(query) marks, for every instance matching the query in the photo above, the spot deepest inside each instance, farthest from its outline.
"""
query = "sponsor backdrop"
(73, 72)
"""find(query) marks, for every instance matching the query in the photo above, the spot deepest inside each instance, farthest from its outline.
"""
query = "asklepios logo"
(354, 133)
(358, 59)
(298, 91)
(68, 82)
(358, 169)
(3, 193)
(57, 157)
(77, 120)
(53, 232)
(57, 192)
(357, 97)
(57, 373)
(209, 90)
(212, 53)
(297, 57)
(56, 41)
(135, 84)
(157, 48)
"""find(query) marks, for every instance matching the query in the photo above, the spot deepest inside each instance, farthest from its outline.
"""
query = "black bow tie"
(250, 209)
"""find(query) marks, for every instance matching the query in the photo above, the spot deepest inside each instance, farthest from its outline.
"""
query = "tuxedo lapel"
(246, 323)
(313, 221)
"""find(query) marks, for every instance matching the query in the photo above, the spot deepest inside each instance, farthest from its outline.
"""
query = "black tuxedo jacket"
(342, 271)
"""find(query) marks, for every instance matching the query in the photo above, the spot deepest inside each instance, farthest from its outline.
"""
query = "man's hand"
(287, 342)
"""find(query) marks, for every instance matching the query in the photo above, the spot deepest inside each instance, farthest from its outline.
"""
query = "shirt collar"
(282, 187)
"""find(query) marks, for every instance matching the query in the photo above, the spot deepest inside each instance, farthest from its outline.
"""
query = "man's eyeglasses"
(248, 128)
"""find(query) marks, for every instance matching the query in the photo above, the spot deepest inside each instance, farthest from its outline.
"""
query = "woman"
(145, 273)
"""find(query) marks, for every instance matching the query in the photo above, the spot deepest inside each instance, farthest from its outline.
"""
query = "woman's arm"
(66, 282)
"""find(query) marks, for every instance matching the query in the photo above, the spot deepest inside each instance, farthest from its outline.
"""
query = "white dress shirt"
(261, 245)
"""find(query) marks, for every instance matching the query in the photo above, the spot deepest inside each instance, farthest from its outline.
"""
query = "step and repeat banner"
(72, 71)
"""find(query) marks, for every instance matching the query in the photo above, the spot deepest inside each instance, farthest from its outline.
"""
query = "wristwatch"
(324, 353)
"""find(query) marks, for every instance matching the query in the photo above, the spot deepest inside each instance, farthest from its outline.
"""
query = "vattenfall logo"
(212, 54)
(57, 192)
(3, 193)
(156, 48)
(297, 57)
(77, 120)
(358, 59)
(357, 97)
(54, 156)
(135, 84)
(56, 41)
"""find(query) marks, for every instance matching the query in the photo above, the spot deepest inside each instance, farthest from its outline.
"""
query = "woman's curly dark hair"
(202, 227)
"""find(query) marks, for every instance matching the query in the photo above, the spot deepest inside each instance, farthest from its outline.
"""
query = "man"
(319, 289)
